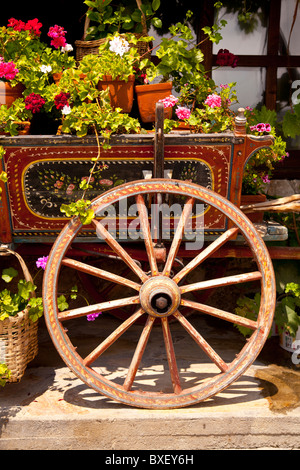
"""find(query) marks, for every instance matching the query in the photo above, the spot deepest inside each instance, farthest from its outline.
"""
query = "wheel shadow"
(236, 394)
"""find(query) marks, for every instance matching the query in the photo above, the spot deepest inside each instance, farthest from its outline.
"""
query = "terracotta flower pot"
(56, 77)
(9, 94)
(120, 92)
(148, 96)
(23, 128)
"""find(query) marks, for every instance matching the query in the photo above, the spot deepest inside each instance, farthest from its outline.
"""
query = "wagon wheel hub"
(160, 296)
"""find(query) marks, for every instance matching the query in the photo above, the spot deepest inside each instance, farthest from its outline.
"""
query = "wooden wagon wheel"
(157, 295)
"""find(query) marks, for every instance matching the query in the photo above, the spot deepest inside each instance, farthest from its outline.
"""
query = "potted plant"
(24, 57)
(15, 119)
(20, 309)
(27, 65)
(19, 312)
(287, 311)
(4, 374)
(90, 103)
(17, 40)
(104, 19)
(115, 67)
(178, 66)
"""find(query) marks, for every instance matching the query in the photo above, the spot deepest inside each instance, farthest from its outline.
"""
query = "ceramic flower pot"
(148, 96)
(120, 92)
(288, 342)
(9, 94)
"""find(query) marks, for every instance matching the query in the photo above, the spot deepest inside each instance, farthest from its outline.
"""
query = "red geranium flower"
(226, 58)
(31, 25)
(34, 102)
(61, 100)
(57, 33)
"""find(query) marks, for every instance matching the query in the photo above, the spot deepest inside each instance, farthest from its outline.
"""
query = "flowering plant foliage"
(13, 302)
(24, 56)
(84, 106)
(8, 70)
(12, 116)
(259, 169)
(118, 57)
(107, 18)
(4, 374)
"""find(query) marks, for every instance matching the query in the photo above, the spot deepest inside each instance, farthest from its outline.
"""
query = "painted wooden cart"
(163, 204)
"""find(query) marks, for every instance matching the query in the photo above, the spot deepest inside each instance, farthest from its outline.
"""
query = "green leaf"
(155, 5)
(35, 308)
(25, 288)
(62, 303)
(157, 23)
(265, 115)
(8, 274)
(291, 125)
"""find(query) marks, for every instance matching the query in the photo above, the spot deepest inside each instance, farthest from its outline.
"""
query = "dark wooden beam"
(272, 52)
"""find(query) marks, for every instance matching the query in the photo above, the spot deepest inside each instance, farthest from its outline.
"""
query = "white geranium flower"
(66, 109)
(119, 45)
(67, 48)
(45, 68)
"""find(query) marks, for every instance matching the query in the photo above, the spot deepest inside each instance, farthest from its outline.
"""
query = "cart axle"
(160, 296)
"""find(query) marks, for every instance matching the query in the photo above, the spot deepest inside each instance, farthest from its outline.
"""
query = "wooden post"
(273, 49)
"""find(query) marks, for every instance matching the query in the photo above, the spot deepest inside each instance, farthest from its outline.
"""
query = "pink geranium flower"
(93, 316)
(182, 112)
(213, 101)
(169, 101)
(57, 33)
(41, 262)
(8, 70)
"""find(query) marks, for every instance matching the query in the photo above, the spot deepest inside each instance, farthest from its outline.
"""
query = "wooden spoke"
(119, 250)
(215, 312)
(144, 221)
(86, 268)
(206, 253)
(138, 353)
(223, 281)
(112, 338)
(171, 356)
(178, 236)
(101, 307)
(201, 341)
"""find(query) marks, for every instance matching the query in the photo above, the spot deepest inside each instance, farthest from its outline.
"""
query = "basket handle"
(4, 251)
(144, 23)
(86, 24)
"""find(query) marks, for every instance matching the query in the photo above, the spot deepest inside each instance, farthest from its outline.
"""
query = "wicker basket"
(84, 47)
(18, 335)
